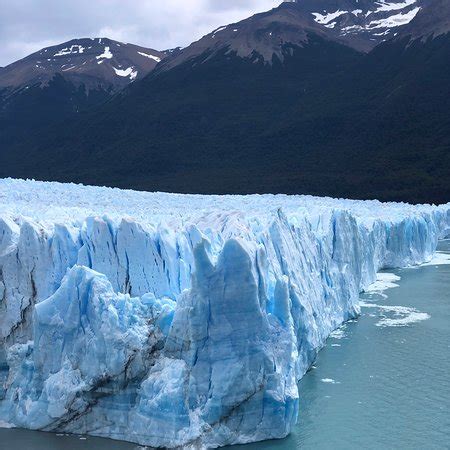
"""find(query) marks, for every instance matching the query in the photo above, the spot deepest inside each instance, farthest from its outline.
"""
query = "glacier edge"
(171, 320)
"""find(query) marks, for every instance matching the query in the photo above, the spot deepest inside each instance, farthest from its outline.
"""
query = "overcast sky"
(29, 25)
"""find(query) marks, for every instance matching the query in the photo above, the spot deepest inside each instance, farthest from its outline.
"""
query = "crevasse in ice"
(176, 320)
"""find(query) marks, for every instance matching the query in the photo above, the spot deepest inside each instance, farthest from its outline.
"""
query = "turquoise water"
(392, 384)
(376, 385)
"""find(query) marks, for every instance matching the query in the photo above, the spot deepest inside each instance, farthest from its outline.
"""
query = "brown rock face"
(96, 63)
(359, 24)
(432, 20)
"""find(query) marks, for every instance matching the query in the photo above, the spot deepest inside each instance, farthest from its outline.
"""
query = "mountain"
(432, 21)
(282, 104)
(359, 24)
(67, 78)
(262, 37)
(371, 21)
(93, 63)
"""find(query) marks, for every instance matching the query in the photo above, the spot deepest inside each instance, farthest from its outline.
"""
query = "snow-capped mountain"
(358, 24)
(54, 83)
(264, 36)
(433, 20)
(284, 101)
(369, 20)
(94, 63)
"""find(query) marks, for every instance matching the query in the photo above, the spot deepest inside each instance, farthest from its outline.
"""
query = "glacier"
(182, 320)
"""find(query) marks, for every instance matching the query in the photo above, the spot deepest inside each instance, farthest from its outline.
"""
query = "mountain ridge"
(260, 37)
(325, 119)
(93, 62)
(432, 21)
(58, 82)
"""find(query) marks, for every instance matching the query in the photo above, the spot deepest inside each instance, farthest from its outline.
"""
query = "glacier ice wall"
(173, 320)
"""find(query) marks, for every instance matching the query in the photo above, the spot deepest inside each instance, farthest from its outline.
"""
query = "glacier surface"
(181, 320)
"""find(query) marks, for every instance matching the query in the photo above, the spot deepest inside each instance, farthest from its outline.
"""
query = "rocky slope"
(56, 83)
(93, 63)
(359, 24)
(276, 103)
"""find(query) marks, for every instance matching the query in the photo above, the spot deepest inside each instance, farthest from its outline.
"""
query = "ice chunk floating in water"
(171, 320)
(396, 316)
(384, 281)
(329, 380)
(439, 259)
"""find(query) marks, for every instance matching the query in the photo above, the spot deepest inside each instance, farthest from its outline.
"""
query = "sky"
(29, 25)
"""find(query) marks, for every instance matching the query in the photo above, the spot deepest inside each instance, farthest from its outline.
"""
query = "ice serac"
(177, 320)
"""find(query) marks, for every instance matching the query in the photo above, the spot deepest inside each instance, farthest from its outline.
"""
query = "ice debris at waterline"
(383, 282)
(175, 320)
(401, 316)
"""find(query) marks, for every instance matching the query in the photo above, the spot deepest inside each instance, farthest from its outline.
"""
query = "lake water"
(382, 382)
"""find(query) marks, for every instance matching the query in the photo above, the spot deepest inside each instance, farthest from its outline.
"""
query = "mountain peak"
(368, 21)
(260, 37)
(90, 61)
(358, 24)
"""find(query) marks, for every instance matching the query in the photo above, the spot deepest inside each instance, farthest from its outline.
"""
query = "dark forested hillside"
(321, 119)
(54, 84)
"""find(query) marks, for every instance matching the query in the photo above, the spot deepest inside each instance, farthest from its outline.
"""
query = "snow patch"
(390, 6)
(72, 50)
(148, 55)
(218, 31)
(129, 72)
(394, 21)
(324, 19)
(106, 54)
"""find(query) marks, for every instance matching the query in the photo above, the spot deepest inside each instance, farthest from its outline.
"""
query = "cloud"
(29, 25)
